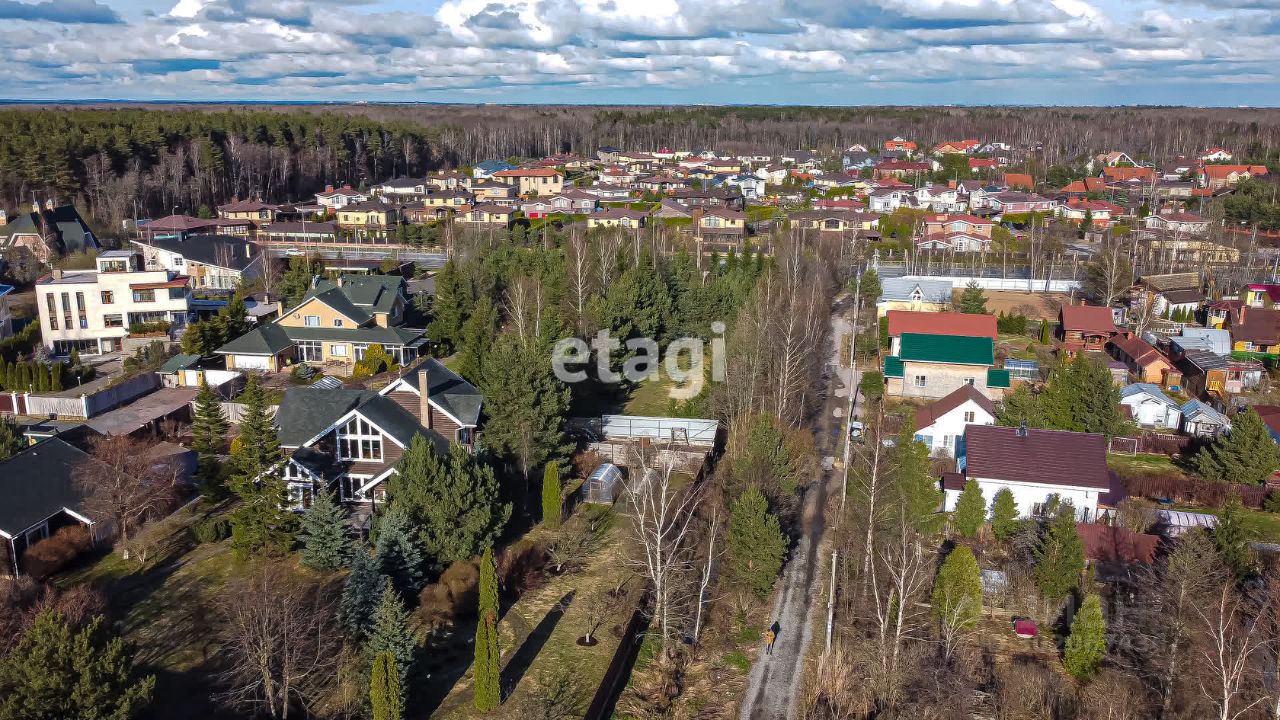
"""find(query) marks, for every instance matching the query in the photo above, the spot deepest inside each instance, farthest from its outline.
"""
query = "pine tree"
(360, 594)
(1087, 644)
(957, 590)
(1232, 538)
(971, 509)
(1245, 455)
(449, 306)
(325, 545)
(488, 692)
(11, 439)
(455, 502)
(208, 437)
(477, 339)
(1004, 514)
(1081, 397)
(552, 502)
(385, 693)
(57, 671)
(397, 552)
(525, 401)
(972, 300)
(389, 633)
(1060, 559)
(755, 543)
(913, 481)
(261, 521)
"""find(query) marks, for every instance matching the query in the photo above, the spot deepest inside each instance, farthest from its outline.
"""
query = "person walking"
(769, 637)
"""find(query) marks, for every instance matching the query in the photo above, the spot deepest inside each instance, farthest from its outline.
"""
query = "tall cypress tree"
(389, 633)
(552, 502)
(261, 521)
(913, 480)
(1087, 644)
(487, 669)
(397, 553)
(360, 594)
(957, 591)
(1004, 514)
(971, 509)
(325, 545)
(756, 544)
(385, 693)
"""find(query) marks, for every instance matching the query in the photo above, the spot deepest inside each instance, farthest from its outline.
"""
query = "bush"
(148, 328)
(54, 552)
(453, 597)
(211, 530)
(521, 567)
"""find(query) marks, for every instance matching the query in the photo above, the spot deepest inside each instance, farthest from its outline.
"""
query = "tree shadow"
(520, 662)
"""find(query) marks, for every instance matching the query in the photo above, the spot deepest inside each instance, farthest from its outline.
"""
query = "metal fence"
(660, 429)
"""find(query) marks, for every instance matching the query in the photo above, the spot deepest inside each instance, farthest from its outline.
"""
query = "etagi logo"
(571, 354)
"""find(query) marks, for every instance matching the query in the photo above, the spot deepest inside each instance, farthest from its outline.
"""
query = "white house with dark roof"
(1150, 407)
(941, 424)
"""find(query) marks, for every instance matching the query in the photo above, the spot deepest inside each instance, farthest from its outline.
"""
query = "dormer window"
(359, 440)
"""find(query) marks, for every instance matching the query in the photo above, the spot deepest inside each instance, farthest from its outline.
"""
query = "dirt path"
(775, 680)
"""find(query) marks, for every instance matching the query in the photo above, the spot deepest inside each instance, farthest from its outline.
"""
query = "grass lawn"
(1260, 525)
(1143, 464)
(651, 398)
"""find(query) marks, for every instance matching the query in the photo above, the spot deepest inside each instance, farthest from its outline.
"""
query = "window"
(359, 440)
(309, 351)
(113, 321)
(311, 320)
(948, 441)
(968, 381)
(66, 310)
(338, 349)
(108, 297)
(177, 293)
(52, 304)
(337, 322)
(84, 319)
(968, 417)
(920, 381)
(357, 349)
(141, 296)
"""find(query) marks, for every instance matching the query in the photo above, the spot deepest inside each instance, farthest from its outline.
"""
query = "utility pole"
(853, 390)
(831, 600)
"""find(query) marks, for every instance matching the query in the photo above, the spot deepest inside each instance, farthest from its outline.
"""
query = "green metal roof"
(367, 334)
(892, 366)
(181, 361)
(954, 349)
(264, 340)
(997, 378)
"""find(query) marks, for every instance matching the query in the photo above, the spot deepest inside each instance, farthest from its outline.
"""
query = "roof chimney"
(424, 395)
(1022, 429)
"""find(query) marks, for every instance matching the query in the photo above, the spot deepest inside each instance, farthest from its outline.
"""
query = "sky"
(821, 52)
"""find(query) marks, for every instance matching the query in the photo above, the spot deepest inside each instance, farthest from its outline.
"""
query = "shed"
(601, 486)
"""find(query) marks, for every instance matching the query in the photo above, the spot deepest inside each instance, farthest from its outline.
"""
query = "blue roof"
(5, 290)
(493, 166)
(1193, 409)
(1149, 389)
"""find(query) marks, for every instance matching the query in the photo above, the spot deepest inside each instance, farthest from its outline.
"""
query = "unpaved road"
(774, 683)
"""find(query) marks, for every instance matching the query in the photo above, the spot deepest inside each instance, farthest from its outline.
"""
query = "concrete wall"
(942, 379)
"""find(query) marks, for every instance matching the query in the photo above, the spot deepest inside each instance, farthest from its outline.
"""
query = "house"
(1113, 159)
(938, 323)
(711, 197)
(1080, 188)
(1019, 181)
(834, 221)
(1255, 332)
(1260, 295)
(371, 218)
(1037, 466)
(1213, 340)
(902, 169)
(1177, 222)
(299, 232)
(448, 180)
(1216, 155)
(940, 425)
(1011, 202)
(349, 441)
(1150, 407)
(335, 323)
(41, 496)
(492, 191)
(485, 170)
(897, 144)
(1143, 361)
(617, 217)
(543, 181)
(752, 187)
(403, 189)
(1200, 419)
(1144, 175)
(93, 311)
(49, 233)
(1099, 212)
(180, 226)
(255, 211)
(1085, 328)
(1216, 177)
(932, 366)
(857, 160)
(570, 202)
(1219, 312)
(337, 198)
(954, 147)
(486, 214)
(210, 262)
(1209, 374)
(939, 198)
(886, 200)
(962, 233)
(976, 164)
(1110, 548)
(1169, 292)
(916, 294)
(719, 221)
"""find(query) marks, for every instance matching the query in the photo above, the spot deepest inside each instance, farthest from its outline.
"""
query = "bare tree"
(281, 645)
(704, 578)
(897, 617)
(1230, 638)
(124, 483)
(579, 268)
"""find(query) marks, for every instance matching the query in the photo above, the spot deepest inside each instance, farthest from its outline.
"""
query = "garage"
(252, 362)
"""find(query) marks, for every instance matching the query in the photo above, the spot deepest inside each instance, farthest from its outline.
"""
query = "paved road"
(774, 683)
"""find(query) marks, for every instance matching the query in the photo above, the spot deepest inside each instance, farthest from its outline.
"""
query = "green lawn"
(650, 398)
(1143, 464)
(1260, 525)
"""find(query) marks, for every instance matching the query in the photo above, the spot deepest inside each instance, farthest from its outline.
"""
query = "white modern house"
(942, 423)
(1037, 466)
(1150, 407)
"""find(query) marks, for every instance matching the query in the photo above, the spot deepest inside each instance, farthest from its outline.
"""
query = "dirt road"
(774, 683)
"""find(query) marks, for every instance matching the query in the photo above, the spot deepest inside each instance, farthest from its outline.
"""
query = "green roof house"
(933, 366)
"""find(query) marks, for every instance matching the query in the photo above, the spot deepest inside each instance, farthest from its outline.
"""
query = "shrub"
(521, 567)
(54, 552)
(211, 530)
(453, 597)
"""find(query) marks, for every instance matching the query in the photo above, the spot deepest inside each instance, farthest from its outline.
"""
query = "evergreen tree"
(57, 671)
(1004, 514)
(1087, 644)
(957, 590)
(261, 521)
(1245, 455)
(55, 377)
(453, 502)
(325, 545)
(552, 502)
(971, 509)
(449, 306)
(487, 669)
(477, 339)
(1232, 538)
(397, 552)
(526, 404)
(756, 545)
(208, 436)
(360, 594)
(1060, 558)
(296, 281)
(913, 480)
(11, 439)
(385, 691)
(1045, 336)
(1080, 397)
(389, 633)
(972, 300)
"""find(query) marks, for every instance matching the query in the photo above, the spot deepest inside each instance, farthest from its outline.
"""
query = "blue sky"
(833, 52)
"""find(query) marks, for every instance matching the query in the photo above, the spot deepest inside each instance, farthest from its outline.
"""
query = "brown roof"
(1140, 350)
(952, 481)
(1088, 318)
(1259, 325)
(927, 323)
(926, 415)
(1104, 543)
(1050, 457)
